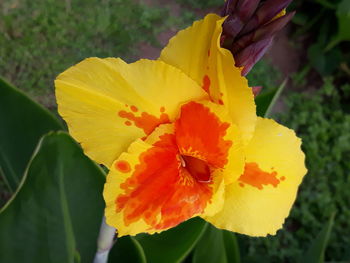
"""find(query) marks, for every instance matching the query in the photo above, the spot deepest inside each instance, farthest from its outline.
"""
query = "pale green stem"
(105, 242)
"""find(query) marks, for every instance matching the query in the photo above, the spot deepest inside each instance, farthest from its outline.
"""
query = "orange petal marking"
(134, 108)
(146, 121)
(200, 134)
(206, 83)
(160, 191)
(256, 177)
(122, 166)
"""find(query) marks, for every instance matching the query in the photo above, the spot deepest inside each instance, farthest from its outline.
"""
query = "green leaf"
(23, 122)
(343, 14)
(266, 101)
(172, 245)
(127, 249)
(316, 251)
(327, 4)
(324, 62)
(218, 246)
(210, 247)
(56, 213)
(231, 247)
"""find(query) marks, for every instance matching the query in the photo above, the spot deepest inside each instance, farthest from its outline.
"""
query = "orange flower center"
(197, 168)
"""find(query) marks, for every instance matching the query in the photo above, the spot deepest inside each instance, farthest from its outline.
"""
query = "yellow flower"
(181, 138)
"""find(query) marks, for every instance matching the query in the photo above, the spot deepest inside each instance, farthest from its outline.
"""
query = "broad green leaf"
(56, 213)
(324, 62)
(210, 248)
(127, 249)
(316, 251)
(327, 4)
(343, 14)
(231, 247)
(218, 246)
(172, 245)
(266, 101)
(23, 122)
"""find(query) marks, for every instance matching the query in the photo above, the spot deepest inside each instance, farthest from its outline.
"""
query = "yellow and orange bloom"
(181, 138)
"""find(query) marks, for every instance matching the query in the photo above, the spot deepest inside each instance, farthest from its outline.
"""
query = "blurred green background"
(39, 39)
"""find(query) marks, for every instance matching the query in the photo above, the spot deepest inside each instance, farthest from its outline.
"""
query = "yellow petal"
(148, 190)
(197, 52)
(258, 203)
(108, 103)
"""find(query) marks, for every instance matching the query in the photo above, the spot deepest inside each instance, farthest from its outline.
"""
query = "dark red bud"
(248, 57)
(239, 16)
(272, 28)
(232, 26)
(263, 32)
(267, 11)
(228, 8)
(246, 8)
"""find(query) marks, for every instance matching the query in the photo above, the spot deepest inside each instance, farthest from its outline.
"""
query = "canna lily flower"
(181, 138)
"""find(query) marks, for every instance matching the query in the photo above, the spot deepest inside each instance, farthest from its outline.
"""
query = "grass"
(201, 3)
(40, 39)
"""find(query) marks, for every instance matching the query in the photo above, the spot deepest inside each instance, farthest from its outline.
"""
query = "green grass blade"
(266, 101)
(316, 251)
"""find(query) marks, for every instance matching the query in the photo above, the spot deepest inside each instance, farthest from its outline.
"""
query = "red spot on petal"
(206, 83)
(134, 108)
(221, 102)
(200, 133)
(128, 123)
(122, 166)
(256, 177)
(241, 185)
(162, 109)
(160, 191)
(256, 90)
(146, 121)
(283, 178)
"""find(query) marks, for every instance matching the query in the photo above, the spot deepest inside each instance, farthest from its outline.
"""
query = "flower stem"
(105, 242)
